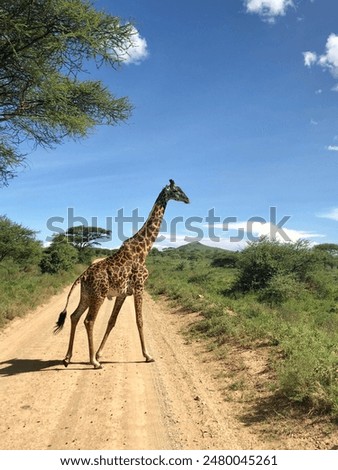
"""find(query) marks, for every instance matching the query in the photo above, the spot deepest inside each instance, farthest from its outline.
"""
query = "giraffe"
(122, 274)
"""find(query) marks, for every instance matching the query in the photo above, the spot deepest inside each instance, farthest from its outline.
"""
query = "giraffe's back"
(107, 278)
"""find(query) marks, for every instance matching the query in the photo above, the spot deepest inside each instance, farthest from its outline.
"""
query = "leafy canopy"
(263, 260)
(45, 46)
(18, 243)
(82, 236)
(59, 256)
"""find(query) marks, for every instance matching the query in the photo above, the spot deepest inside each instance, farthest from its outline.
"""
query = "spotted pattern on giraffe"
(119, 275)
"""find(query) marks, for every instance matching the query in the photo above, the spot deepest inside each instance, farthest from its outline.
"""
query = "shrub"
(18, 244)
(199, 278)
(59, 257)
(228, 259)
(181, 266)
(85, 255)
(280, 288)
(264, 259)
(309, 372)
(329, 254)
(323, 285)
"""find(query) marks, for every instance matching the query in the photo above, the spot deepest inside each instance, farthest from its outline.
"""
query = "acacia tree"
(83, 237)
(45, 46)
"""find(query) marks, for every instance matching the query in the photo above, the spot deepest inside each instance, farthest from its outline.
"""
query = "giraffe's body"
(122, 274)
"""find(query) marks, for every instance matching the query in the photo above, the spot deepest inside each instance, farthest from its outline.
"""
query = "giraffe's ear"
(172, 183)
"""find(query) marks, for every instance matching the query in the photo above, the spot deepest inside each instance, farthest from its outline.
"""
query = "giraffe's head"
(172, 191)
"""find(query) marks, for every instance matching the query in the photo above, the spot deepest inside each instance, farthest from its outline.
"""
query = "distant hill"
(204, 249)
(198, 246)
(219, 257)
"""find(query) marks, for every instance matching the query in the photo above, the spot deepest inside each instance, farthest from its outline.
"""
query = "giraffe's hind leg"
(75, 317)
(111, 323)
(94, 308)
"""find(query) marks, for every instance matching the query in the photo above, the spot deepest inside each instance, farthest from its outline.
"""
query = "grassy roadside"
(23, 290)
(300, 334)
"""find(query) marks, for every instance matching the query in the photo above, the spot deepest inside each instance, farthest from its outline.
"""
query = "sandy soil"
(174, 403)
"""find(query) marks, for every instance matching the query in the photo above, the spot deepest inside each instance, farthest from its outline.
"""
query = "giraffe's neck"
(143, 240)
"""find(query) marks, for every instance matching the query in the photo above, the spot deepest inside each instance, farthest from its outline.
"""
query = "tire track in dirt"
(172, 403)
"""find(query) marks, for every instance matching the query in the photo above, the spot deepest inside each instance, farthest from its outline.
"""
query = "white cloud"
(332, 148)
(233, 235)
(332, 214)
(253, 230)
(138, 50)
(329, 60)
(268, 9)
(335, 88)
(310, 58)
(133, 51)
(271, 231)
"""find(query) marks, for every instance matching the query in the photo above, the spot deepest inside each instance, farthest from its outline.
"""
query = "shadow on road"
(22, 366)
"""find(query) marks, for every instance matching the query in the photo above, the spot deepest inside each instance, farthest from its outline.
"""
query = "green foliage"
(21, 291)
(309, 372)
(18, 243)
(9, 160)
(264, 259)
(44, 49)
(196, 250)
(59, 257)
(328, 253)
(228, 259)
(330, 248)
(85, 255)
(76, 245)
(323, 284)
(280, 288)
(22, 284)
(101, 252)
(83, 237)
(294, 311)
(155, 252)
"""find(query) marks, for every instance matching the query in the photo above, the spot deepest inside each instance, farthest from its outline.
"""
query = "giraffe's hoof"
(150, 359)
(65, 363)
(97, 366)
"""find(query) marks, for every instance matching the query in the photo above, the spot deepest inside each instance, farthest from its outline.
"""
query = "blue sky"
(235, 100)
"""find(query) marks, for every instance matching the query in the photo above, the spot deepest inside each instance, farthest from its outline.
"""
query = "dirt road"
(173, 403)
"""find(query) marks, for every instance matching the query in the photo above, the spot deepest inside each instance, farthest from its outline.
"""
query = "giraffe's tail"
(61, 320)
(63, 315)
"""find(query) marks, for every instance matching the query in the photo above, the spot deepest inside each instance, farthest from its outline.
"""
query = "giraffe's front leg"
(112, 320)
(138, 298)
